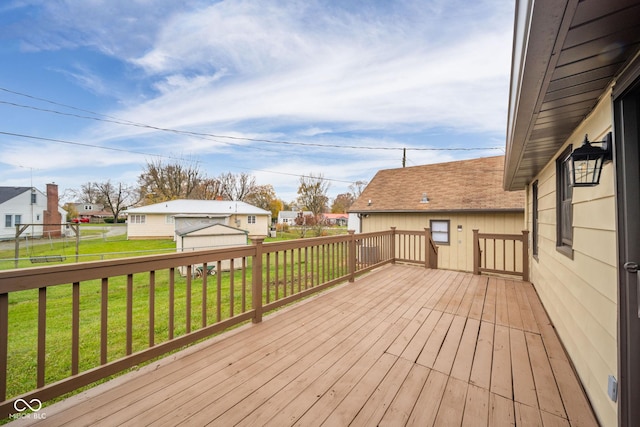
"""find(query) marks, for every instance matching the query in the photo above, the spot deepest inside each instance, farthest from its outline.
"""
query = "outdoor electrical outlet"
(613, 388)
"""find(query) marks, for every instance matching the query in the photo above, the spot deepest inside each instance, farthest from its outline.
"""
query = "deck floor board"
(402, 345)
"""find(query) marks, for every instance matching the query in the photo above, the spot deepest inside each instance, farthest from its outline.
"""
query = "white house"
(28, 205)
(289, 217)
(161, 220)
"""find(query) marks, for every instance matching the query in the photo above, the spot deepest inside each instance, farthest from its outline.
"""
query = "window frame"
(251, 219)
(564, 205)
(448, 232)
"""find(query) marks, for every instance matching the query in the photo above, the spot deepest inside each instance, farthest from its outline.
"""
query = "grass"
(23, 309)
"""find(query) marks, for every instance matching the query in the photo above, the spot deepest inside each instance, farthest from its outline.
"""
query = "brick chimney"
(51, 217)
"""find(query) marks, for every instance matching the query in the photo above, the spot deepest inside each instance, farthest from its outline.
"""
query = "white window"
(251, 219)
(7, 220)
(440, 231)
(169, 219)
(137, 219)
(17, 219)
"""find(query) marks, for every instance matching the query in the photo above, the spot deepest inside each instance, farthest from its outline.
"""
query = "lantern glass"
(585, 163)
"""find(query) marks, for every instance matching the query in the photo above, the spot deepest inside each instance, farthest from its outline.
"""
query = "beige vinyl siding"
(260, 228)
(458, 254)
(154, 227)
(580, 294)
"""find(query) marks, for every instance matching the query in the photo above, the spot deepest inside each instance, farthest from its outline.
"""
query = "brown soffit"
(566, 54)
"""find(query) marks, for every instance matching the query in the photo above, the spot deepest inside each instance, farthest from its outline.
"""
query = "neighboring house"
(576, 72)
(95, 212)
(161, 220)
(289, 217)
(28, 205)
(211, 236)
(336, 219)
(451, 199)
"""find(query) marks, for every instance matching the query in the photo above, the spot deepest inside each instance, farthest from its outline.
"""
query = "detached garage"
(211, 236)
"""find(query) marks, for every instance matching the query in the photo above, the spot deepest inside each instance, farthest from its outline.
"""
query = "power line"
(115, 120)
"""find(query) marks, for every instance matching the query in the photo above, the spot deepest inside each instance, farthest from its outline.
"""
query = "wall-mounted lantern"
(585, 165)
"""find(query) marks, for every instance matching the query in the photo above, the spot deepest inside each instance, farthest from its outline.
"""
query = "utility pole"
(404, 157)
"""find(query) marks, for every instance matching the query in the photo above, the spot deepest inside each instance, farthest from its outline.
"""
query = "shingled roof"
(466, 185)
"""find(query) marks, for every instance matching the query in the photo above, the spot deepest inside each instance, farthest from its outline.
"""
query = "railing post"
(476, 253)
(393, 245)
(256, 279)
(352, 255)
(525, 255)
(427, 247)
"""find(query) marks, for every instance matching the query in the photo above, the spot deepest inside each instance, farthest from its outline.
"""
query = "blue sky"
(315, 78)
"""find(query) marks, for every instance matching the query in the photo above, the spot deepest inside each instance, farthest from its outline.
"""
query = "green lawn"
(23, 307)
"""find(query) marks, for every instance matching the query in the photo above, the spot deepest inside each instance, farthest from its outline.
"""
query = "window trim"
(564, 244)
(444, 221)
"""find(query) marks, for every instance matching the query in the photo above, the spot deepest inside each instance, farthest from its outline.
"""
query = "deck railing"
(66, 326)
(501, 253)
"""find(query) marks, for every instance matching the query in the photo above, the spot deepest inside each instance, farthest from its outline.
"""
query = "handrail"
(494, 264)
(180, 307)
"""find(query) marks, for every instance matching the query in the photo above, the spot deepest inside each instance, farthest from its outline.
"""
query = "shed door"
(627, 158)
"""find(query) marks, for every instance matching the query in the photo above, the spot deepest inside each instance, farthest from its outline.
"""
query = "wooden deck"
(401, 346)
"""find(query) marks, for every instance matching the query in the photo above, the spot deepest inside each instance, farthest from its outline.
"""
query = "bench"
(47, 258)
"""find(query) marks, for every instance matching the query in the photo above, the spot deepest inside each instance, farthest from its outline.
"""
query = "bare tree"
(357, 188)
(208, 189)
(237, 187)
(88, 193)
(312, 194)
(116, 197)
(171, 181)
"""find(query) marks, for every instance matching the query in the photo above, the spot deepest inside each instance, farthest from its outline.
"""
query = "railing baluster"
(244, 284)
(299, 251)
(232, 290)
(75, 328)
(129, 315)
(42, 334)
(104, 296)
(152, 307)
(306, 267)
(268, 277)
(277, 265)
(4, 344)
(172, 282)
(188, 298)
(205, 274)
(219, 291)
(292, 273)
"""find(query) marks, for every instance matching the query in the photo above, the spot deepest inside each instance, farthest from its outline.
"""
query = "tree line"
(162, 181)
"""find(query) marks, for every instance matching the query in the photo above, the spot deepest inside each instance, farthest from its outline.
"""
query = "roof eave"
(533, 60)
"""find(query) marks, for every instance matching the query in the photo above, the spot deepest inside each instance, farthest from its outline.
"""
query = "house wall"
(458, 254)
(260, 228)
(580, 294)
(30, 214)
(156, 226)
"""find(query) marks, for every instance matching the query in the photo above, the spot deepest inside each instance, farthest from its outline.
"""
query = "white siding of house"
(580, 294)
(458, 254)
(30, 214)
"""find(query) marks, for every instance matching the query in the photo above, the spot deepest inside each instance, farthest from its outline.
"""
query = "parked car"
(77, 220)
